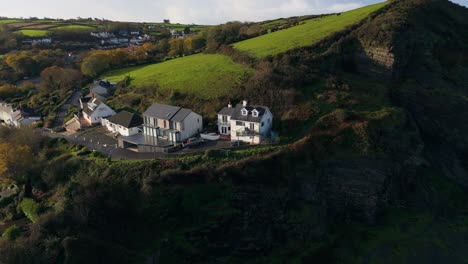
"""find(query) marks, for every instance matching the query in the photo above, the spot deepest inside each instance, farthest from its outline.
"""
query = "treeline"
(30, 62)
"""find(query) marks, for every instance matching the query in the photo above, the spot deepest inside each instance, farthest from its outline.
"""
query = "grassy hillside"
(306, 34)
(33, 32)
(204, 75)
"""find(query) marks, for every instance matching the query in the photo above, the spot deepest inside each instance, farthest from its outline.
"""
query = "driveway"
(73, 99)
(99, 139)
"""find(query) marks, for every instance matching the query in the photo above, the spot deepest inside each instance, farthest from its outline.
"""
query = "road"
(73, 99)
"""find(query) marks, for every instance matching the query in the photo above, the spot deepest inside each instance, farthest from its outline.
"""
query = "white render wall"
(126, 132)
(220, 119)
(99, 112)
(192, 124)
(263, 131)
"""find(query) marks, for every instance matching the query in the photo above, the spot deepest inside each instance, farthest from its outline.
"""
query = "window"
(252, 126)
(165, 124)
(255, 113)
(263, 124)
(244, 112)
(239, 123)
(225, 119)
(198, 120)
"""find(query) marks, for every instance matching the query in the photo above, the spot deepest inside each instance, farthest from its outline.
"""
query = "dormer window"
(255, 113)
(244, 112)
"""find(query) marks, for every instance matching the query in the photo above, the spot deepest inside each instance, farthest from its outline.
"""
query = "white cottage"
(13, 117)
(247, 123)
(95, 110)
(124, 123)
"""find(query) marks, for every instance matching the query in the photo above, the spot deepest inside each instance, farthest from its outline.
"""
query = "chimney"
(245, 102)
(229, 105)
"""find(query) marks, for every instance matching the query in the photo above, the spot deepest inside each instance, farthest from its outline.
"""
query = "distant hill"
(307, 33)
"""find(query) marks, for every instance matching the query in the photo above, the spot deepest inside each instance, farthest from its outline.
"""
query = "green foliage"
(94, 65)
(30, 208)
(11, 233)
(307, 34)
(203, 75)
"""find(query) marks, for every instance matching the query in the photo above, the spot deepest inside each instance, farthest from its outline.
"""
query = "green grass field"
(203, 75)
(77, 27)
(8, 21)
(33, 33)
(307, 34)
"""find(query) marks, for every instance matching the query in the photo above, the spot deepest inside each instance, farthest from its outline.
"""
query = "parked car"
(237, 143)
(193, 142)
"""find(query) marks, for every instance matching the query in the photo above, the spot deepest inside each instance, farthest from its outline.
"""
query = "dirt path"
(71, 100)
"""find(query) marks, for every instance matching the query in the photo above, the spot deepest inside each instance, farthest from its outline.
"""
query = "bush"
(11, 233)
(30, 208)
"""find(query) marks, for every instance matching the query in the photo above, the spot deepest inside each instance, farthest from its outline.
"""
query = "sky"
(207, 12)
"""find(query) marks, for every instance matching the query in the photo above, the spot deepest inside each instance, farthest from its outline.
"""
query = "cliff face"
(419, 50)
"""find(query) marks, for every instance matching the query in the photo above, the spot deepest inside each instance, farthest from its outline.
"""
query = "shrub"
(30, 208)
(11, 233)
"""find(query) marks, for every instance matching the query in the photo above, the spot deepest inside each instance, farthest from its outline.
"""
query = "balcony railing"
(247, 133)
(222, 123)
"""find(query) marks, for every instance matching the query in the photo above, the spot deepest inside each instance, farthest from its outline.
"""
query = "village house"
(124, 123)
(13, 117)
(73, 125)
(171, 123)
(244, 122)
(95, 110)
(100, 89)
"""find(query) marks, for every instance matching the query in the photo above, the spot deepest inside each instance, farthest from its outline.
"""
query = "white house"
(10, 116)
(95, 110)
(246, 123)
(171, 123)
(124, 123)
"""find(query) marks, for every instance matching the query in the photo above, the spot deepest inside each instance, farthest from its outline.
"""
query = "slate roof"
(227, 111)
(181, 115)
(126, 119)
(90, 111)
(237, 113)
(167, 112)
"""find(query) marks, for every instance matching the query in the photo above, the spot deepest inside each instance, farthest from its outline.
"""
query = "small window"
(198, 120)
(239, 123)
(255, 113)
(263, 124)
(244, 112)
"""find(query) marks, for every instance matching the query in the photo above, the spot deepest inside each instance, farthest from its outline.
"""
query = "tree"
(95, 64)
(177, 47)
(14, 160)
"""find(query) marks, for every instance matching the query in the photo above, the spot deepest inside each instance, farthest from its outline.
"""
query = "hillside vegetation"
(203, 75)
(306, 34)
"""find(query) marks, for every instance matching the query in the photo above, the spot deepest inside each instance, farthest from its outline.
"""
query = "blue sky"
(181, 11)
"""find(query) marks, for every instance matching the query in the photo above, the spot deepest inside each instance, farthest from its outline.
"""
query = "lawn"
(204, 75)
(33, 33)
(306, 34)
